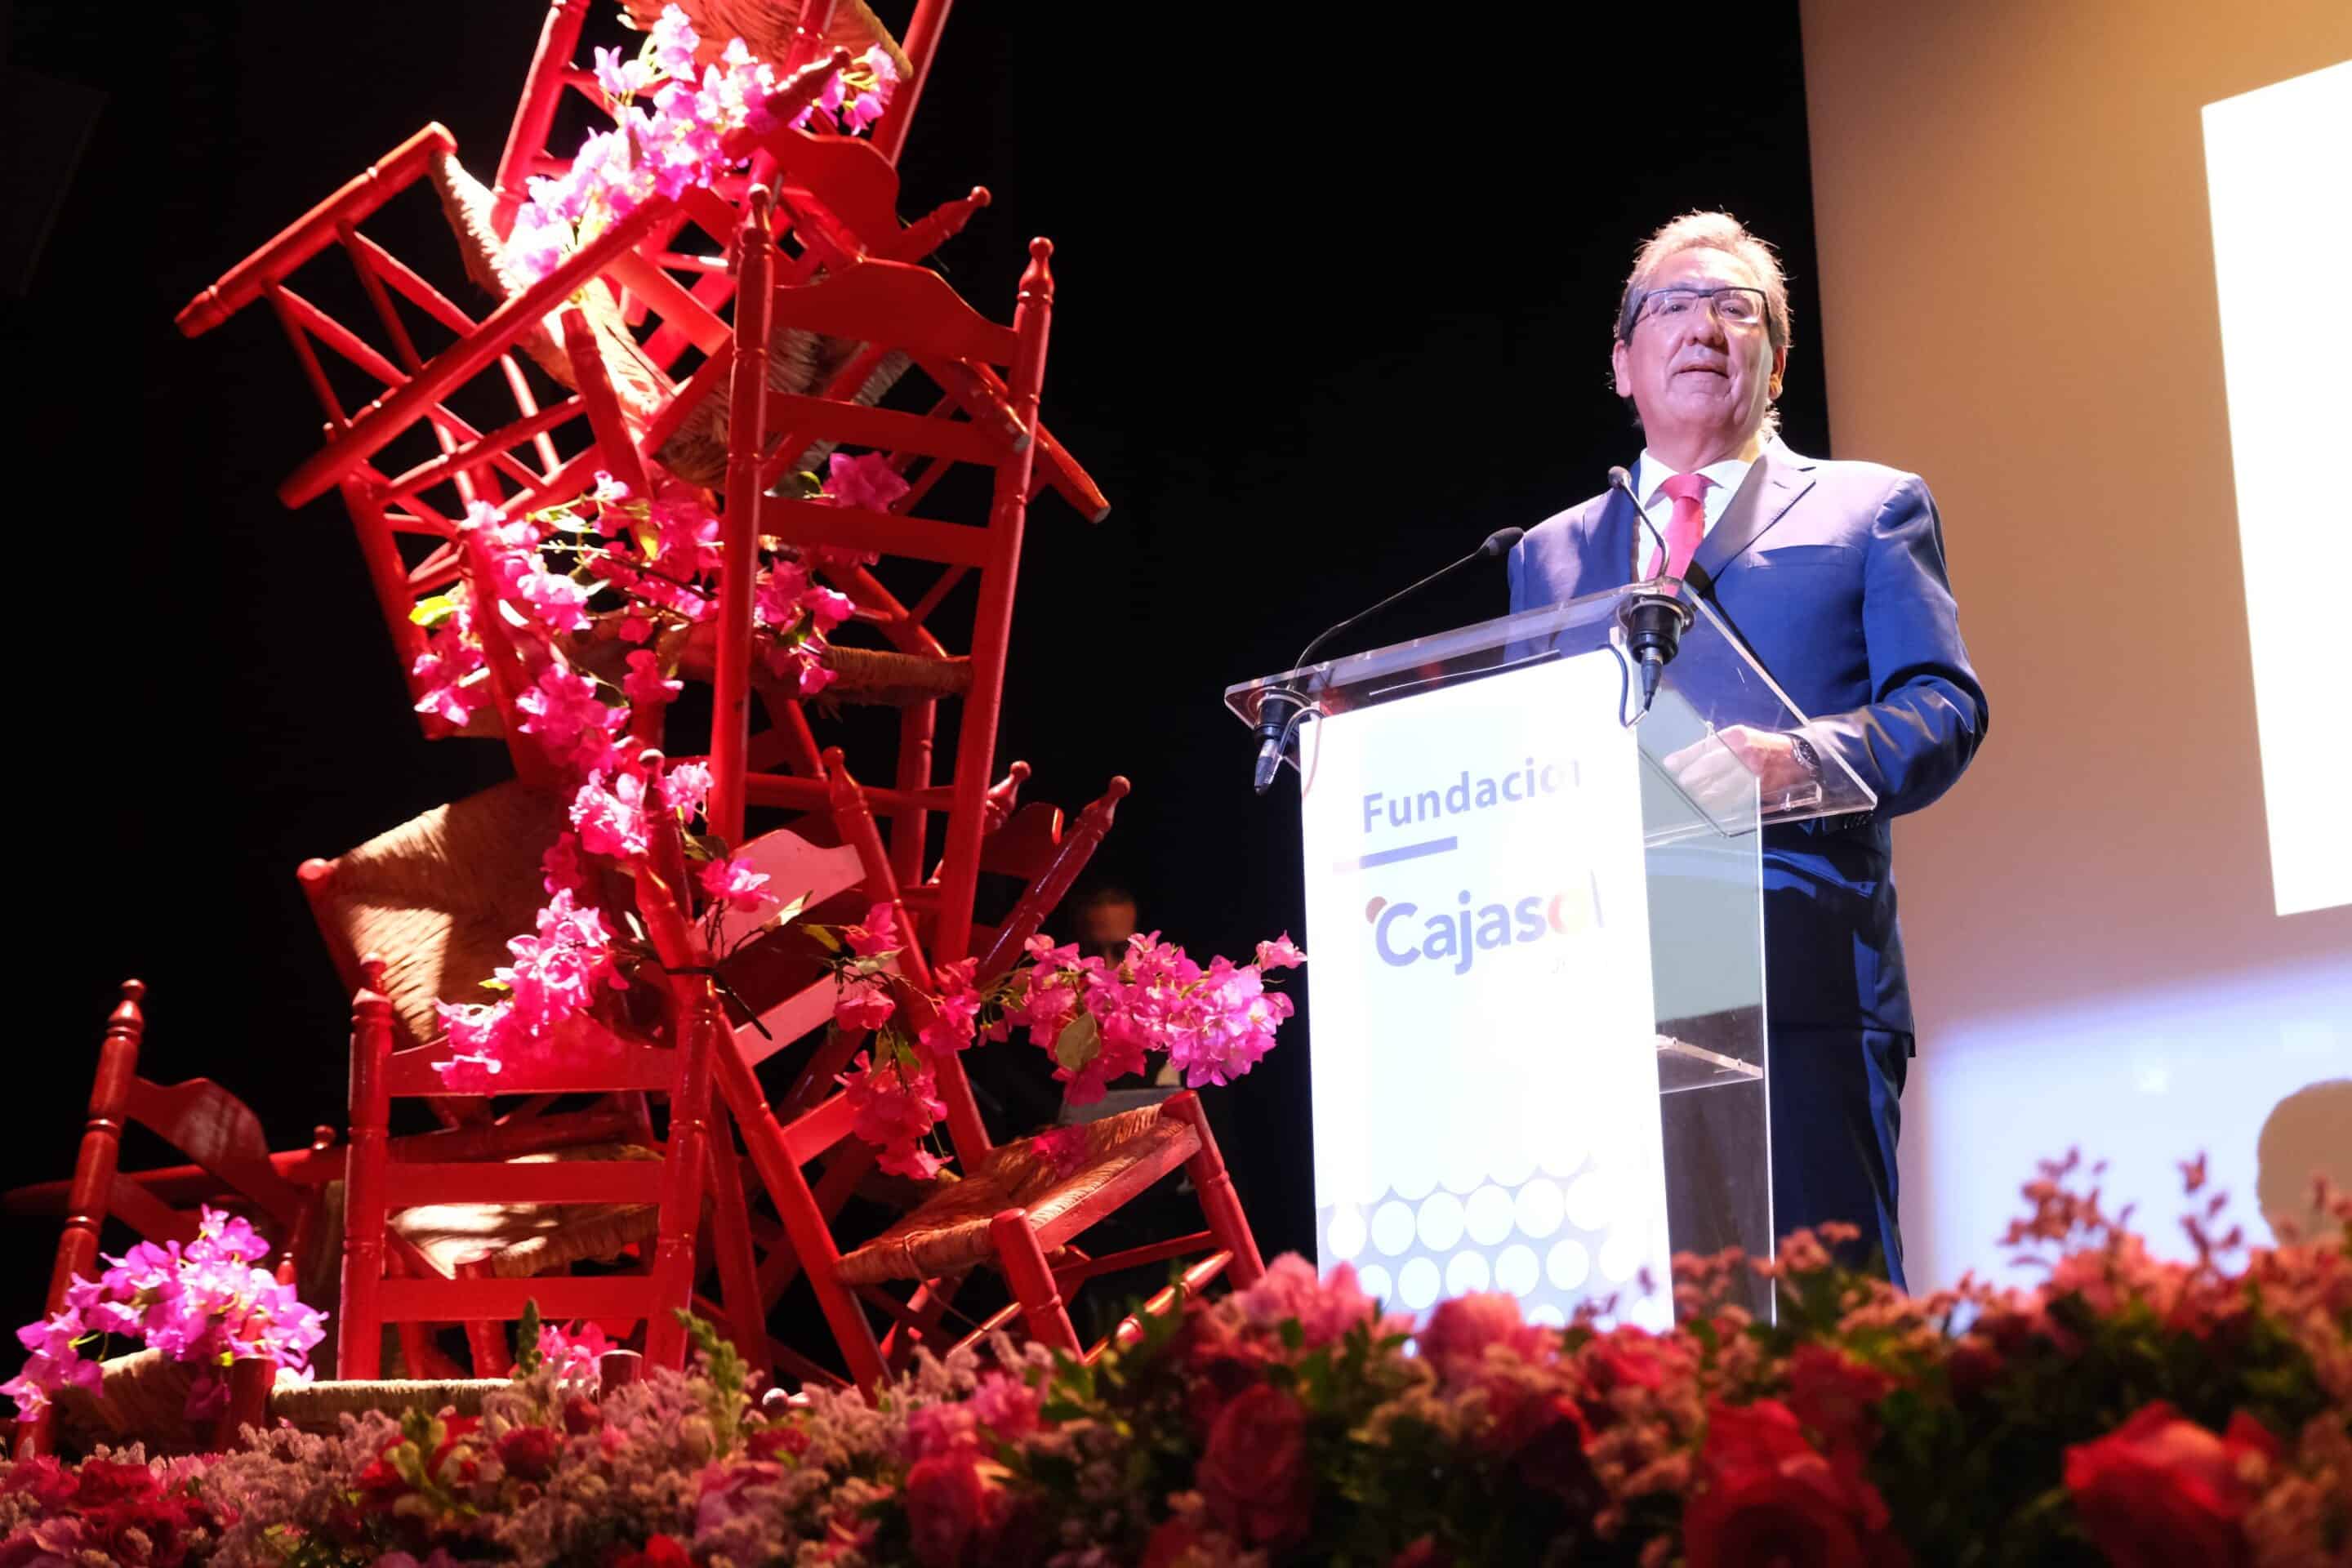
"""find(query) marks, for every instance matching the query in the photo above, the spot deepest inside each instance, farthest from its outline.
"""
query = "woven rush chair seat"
(894, 679)
(880, 677)
(799, 362)
(438, 897)
(516, 1241)
(144, 1398)
(950, 1233)
(319, 1407)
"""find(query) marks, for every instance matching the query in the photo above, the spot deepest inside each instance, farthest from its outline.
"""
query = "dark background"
(1334, 302)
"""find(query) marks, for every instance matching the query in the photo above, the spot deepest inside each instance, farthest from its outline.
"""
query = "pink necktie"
(1687, 527)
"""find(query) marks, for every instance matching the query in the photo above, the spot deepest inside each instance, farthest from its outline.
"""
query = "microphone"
(1279, 707)
(1693, 574)
(1654, 623)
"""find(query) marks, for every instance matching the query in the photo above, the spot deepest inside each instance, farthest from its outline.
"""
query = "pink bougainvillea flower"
(563, 710)
(674, 41)
(735, 883)
(878, 935)
(560, 869)
(685, 787)
(894, 1110)
(611, 818)
(643, 686)
(573, 1352)
(861, 1010)
(1279, 953)
(865, 481)
(620, 80)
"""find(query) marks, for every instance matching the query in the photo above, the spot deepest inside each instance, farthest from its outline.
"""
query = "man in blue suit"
(1834, 575)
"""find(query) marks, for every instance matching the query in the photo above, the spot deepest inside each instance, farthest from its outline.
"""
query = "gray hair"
(1708, 231)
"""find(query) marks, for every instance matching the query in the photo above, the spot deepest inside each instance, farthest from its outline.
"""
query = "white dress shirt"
(1650, 476)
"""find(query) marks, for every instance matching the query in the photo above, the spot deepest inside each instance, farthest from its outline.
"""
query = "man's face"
(1702, 385)
(1104, 927)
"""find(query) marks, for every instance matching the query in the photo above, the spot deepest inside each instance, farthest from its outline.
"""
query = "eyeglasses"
(1734, 306)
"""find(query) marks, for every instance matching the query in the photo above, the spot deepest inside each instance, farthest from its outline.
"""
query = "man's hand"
(1715, 771)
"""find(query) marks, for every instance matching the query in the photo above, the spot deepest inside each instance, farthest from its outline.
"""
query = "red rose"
(1459, 1331)
(661, 1551)
(2161, 1489)
(1833, 1393)
(1620, 1360)
(528, 1453)
(947, 1502)
(784, 1437)
(1169, 1544)
(1552, 1454)
(1424, 1552)
(101, 1482)
(46, 1477)
(580, 1415)
(1763, 1495)
(1254, 1474)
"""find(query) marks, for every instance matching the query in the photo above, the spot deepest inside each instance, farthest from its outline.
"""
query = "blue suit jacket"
(1834, 573)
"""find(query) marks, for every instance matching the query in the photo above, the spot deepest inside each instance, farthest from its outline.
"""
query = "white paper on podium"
(1485, 1089)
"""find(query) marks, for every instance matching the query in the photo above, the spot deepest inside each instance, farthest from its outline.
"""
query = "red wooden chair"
(1033, 850)
(201, 1120)
(540, 1213)
(1013, 1208)
(434, 900)
(884, 304)
(455, 420)
(788, 36)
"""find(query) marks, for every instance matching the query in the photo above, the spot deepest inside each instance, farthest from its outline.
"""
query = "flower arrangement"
(2125, 1410)
(1099, 1021)
(679, 143)
(204, 1304)
(563, 584)
(571, 579)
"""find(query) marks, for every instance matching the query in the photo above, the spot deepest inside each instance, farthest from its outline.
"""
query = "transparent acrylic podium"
(1535, 917)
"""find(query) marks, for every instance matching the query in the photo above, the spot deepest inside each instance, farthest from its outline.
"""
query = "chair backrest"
(888, 306)
(437, 898)
(1051, 883)
(586, 1055)
(201, 1120)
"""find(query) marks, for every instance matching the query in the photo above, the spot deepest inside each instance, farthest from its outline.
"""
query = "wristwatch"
(1806, 754)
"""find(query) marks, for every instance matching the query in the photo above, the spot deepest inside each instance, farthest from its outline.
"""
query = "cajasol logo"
(1403, 935)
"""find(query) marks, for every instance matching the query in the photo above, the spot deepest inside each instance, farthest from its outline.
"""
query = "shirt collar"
(1651, 473)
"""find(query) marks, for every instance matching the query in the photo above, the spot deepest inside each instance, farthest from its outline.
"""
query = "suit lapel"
(1773, 485)
(1610, 564)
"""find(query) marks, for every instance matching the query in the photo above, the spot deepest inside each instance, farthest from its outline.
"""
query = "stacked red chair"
(722, 339)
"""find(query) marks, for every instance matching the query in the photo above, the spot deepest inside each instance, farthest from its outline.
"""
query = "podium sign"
(1484, 1093)
(1537, 996)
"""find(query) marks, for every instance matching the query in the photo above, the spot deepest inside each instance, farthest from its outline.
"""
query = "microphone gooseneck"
(1279, 707)
(1654, 623)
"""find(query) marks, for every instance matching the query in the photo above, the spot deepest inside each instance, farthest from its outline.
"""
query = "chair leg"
(803, 1222)
(730, 1241)
(485, 1339)
(1220, 1204)
(1031, 1278)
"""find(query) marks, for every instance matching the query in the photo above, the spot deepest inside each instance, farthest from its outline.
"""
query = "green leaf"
(494, 983)
(1079, 1042)
(825, 937)
(527, 1340)
(704, 846)
(430, 612)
